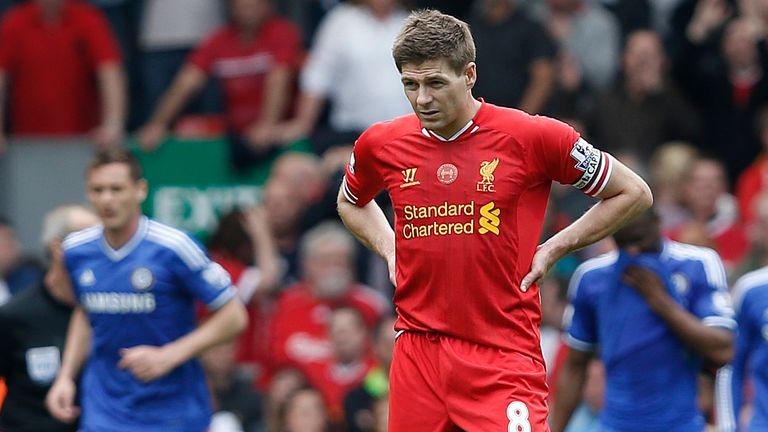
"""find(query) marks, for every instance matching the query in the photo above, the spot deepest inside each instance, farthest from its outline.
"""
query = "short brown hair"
(431, 35)
(117, 155)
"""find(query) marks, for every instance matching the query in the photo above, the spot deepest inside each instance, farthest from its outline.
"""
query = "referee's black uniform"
(33, 327)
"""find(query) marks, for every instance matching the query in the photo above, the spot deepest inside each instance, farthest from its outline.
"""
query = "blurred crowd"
(676, 89)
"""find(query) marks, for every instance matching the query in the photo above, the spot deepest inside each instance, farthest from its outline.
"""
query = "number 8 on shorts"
(517, 413)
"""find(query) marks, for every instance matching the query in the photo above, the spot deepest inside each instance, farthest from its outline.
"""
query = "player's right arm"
(60, 400)
(371, 227)
(188, 81)
(362, 216)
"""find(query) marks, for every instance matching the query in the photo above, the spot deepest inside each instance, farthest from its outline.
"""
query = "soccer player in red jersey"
(469, 182)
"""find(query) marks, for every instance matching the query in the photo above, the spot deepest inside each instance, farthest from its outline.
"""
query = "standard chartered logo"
(450, 219)
(489, 219)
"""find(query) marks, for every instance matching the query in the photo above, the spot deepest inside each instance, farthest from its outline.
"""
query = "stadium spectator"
(730, 87)
(168, 31)
(359, 403)
(232, 390)
(586, 418)
(381, 414)
(757, 257)
(587, 34)
(60, 71)
(669, 164)
(753, 181)
(242, 244)
(515, 54)
(350, 361)
(711, 210)
(304, 411)
(34, 326)
(133, 332)
(284, 382)
(254, 58)
(631, 15)
(16, 271)
(469, 183)
(285, 210)
(349, 66)
(750, 298)
(644, 109)
(299, 335)
(654, 299)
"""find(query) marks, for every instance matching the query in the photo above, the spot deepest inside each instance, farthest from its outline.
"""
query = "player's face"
(116, 196)
(440, 97)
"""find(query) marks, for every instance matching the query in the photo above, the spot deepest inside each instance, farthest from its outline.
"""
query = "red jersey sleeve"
(362, 179)
(207, 51)
(99, 38)
(562, 155)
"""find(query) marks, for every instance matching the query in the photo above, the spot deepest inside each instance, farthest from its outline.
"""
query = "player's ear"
(470, 74)
(143, 189)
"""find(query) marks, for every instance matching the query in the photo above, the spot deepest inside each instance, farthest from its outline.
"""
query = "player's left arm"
(714, 343)
(148, 363)
(624, 196)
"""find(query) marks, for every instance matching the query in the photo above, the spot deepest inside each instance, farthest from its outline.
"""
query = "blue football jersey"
(750, 298)
(651, 376)
(142, 294)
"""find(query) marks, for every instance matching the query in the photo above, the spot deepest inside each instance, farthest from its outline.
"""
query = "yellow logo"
(486, 171)
(409, 178)
(489, 218)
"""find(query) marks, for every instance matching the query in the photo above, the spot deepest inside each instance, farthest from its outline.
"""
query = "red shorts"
(439, 383)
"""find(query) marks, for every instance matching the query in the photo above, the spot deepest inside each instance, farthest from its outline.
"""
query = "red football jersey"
(52, 67)
(468, 216)
(242, 67)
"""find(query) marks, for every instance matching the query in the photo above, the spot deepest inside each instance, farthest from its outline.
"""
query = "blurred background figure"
(243, 245)
(349, 364)
(33, 326)
(515, 56)
(284, 382)
(304, 411)
(168, 32)
(588, 37)
(236, 403)
(360, 403)
(643, 110)
(668, 166)
(712, 214)
(299, 327)
(254, 59)
(349, 67)
(16, 272)
(60, 70)
(753, 181)
(727, 82)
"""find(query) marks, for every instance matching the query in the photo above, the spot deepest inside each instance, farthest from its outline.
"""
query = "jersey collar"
(124, 250)
(468, 129)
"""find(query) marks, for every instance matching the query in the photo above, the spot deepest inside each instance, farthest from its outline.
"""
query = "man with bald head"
(33, 326)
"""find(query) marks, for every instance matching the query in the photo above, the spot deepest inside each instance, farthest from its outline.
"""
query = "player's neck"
(467, 113)
(117, 237)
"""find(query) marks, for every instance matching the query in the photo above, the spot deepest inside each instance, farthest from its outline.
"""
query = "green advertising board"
(191, 182)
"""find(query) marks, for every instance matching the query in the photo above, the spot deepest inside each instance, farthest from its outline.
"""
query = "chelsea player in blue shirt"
(750, 298)
(657, 312)
(133, 333)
